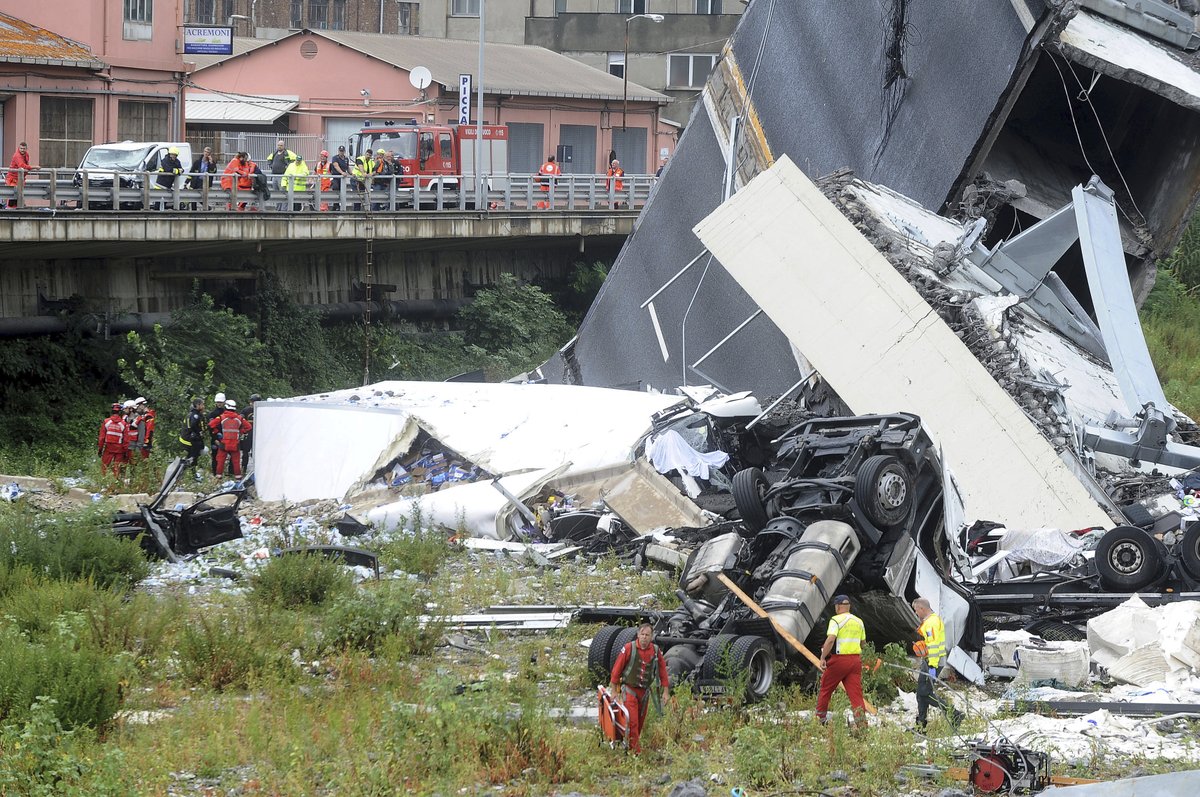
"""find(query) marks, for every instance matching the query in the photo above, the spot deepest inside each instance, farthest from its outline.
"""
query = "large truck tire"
(1128, 559)
(1190, 550)
(884, 490)
(599, 653)
(755, 658)
(749, 491)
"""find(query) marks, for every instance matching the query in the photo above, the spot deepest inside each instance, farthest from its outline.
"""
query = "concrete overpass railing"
(69, 189)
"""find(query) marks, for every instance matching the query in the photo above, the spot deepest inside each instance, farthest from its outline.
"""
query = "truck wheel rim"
(1126, 558)
(892, 490)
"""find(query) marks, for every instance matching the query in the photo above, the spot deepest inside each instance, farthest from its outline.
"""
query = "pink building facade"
(77, 72)
(332, 83)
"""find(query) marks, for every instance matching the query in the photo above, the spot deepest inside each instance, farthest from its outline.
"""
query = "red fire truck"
(436, 154)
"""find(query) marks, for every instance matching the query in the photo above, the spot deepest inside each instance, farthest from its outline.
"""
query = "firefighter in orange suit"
(111, 445)
(616, 185)
(228, 427)
(634, 671)
(548, 173)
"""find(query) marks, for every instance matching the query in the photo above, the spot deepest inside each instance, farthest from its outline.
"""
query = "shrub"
(40, 758)
(70, 545)
(83, 682)
(422, 553)
(219, 653)
(390, 612)
(300, 580)
(37, 607)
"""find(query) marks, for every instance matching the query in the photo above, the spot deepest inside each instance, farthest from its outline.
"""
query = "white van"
(126, 159)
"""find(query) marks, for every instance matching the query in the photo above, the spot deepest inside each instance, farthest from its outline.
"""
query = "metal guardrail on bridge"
(73, 189)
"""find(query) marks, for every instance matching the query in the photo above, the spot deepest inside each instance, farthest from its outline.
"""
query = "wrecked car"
(848, 504)
(184, 530)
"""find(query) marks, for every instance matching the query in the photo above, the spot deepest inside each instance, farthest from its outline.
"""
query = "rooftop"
(514, 69)
(23, 43)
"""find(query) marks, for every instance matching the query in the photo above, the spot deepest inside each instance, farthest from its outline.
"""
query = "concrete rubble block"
(1065, 663)
(1143, 646)
(1000, 647)
(1116, 633)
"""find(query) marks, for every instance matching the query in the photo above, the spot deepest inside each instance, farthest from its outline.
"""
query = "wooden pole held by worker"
(779, 629)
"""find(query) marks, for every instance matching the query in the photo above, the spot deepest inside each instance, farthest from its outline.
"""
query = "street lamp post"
(232, 17)
(625, 63)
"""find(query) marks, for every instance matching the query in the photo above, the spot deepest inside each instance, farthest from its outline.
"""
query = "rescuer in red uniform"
(111, 444)
(229, 427)
(634, 671)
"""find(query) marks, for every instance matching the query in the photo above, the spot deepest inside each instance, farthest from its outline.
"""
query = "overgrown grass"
(69, 545)
(299, 579)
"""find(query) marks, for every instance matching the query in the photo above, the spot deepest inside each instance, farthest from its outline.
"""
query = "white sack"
(669, 451)
(1063, 662)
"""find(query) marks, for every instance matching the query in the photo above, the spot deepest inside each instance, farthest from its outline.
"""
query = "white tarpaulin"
(884, 349)
(320, 446)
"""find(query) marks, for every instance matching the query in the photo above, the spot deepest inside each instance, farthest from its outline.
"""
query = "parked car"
(125, 162)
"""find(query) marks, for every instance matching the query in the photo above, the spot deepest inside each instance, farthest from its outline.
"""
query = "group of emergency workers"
(127, 433)
(230, 434)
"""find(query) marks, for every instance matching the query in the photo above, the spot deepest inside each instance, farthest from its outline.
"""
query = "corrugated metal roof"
(23, 43)
(516, 69)
(254, 110)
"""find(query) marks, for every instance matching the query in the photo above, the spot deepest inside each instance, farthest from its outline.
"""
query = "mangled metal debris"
(182, 530)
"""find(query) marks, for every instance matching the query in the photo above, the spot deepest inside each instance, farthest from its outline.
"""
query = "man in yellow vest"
(841, 661)
(931, 654)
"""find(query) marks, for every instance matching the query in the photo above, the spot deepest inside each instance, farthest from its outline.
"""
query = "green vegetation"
(282, 688)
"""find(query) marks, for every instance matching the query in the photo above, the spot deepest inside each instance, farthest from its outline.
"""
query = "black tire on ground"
(623, 638)
(1128, 559)
(1190, 550)
(754, 656)
(1138, 515)
(1056, 631)
(749, 489)
(884, 490)
(718, 659)
(598, 653)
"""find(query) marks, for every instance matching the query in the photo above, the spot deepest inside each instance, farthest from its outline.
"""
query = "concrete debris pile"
(1145, 646)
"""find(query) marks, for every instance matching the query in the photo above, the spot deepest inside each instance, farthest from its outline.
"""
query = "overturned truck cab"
(848, 505)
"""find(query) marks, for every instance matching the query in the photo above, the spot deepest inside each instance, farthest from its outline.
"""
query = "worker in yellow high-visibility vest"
(841, 661)
(931, 655)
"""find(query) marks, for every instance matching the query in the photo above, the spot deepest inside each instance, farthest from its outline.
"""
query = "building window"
(206, 12)
(139, 19)
(616, 64)
(297, 14)
(228, 10)
(560, 7)
(465, 8)
(631, 6)
(143, 121)
(708, 6)
(318, 14)
(66, 131)
(409, 22)
(689, 71)
(338, 22)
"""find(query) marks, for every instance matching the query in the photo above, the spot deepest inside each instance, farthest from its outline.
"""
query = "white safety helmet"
(231, 405)
(128, 404)
(139, 401)
(219, 398)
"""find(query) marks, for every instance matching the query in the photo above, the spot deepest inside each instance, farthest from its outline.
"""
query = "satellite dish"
(420, 77)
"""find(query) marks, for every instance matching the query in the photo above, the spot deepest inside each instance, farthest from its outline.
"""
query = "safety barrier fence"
(95, 191)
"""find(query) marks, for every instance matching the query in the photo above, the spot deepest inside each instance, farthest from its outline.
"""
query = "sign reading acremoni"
(207, 40)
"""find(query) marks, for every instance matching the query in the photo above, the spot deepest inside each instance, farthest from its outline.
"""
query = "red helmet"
(116, 406)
